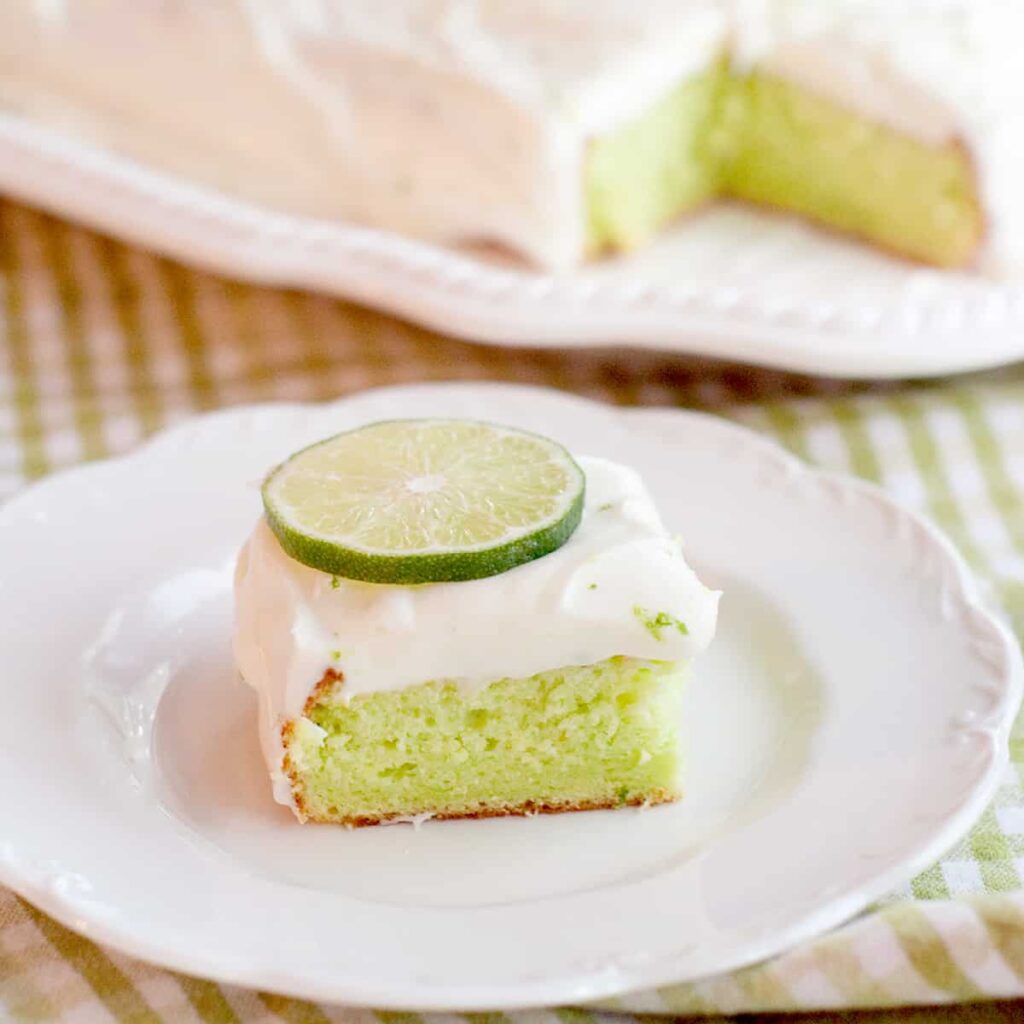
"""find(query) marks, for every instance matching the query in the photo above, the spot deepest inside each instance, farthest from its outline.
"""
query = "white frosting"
(361, 109)
(575, 606)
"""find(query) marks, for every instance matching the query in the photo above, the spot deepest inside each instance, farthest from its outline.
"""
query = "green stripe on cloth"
(28, 419)
(761, 986)
(112, 986)
(988, 451)
(294, 1011)
(177, 281)
(993, 854)
(1005, 926)
(927, 952)
(784, 421)
(261, 364)
(87, 408)
(837, 960)
(20, 997)
(942, 505)
(568, 1015)
(684, 1000)
(852, 423)
(315, 353)
(931, 884)
(207, 1000)
(394, 1017)
(501, 1018)
(146, 396)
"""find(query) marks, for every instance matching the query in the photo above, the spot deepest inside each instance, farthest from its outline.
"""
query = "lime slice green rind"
(412, 569)
(424, 501)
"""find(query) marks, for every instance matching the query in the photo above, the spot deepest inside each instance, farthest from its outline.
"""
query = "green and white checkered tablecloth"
(101, 345)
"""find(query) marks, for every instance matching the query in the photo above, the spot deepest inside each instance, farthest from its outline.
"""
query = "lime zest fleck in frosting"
(335, 582)
(655, 622)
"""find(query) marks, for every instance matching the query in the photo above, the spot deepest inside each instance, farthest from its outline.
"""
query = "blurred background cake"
(559, 129)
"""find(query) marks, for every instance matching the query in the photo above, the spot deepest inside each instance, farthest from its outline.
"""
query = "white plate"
(846, 727)
(731, 283)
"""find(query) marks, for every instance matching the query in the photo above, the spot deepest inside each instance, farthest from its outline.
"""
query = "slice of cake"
(559, 129)
(551, 682)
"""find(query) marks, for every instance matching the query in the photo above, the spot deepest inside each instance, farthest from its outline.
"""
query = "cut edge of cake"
(765, 140)
(647, 690)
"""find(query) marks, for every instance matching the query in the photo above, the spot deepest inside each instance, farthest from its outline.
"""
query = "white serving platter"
(731, 283)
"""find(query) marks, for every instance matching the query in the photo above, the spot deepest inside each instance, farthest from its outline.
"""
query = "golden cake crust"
(330, 681)
(524, 810)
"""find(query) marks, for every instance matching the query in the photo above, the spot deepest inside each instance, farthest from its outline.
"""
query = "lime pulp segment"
(424, 501)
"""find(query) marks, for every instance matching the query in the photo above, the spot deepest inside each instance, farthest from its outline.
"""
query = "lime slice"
(424, 501)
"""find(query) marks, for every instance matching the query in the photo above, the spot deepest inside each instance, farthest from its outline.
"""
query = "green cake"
(760, 138)
(665, 163)
(552, 684)
(591, 736)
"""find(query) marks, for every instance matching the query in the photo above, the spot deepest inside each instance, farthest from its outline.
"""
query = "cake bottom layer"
(765, 140)
(594, 736)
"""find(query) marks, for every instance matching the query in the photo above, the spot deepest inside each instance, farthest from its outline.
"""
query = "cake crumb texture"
(758, 138)
(594, 736)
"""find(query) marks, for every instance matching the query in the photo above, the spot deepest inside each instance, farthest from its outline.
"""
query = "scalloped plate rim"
(601, 985)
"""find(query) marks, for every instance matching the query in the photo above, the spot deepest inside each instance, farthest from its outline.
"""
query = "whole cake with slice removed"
(558, 129)
(447, 618)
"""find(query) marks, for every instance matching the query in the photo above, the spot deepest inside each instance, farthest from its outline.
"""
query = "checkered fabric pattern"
(101, 345)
